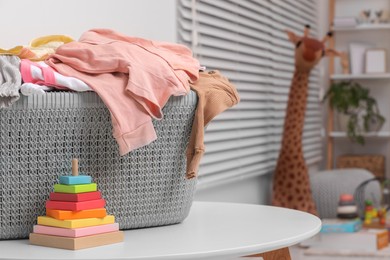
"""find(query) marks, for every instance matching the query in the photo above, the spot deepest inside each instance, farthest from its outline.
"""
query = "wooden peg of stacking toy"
(75, 178)
(75, 167)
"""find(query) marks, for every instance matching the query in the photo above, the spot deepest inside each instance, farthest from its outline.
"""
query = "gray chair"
(327, 186)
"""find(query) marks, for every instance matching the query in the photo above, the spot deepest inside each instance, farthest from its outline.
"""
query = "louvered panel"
(283, 98)
(294, 9)
(185, 30)
(236, 144)
(258, 106)
(227, 155)
(313, 134)
(313, 160)
(233, 13)
(311, 151)
(226, 55)
(248, 170)
(227, 166)
(307, 6)
(235, 76)
(226, 125)
(232, 27)
(263, 23)
(251, 55)
(283, 59)
(253, 114)
(234, 114)
(214, 32)
(260, 86)
(281, 82)
(262, 12)
(279, 90)
(250, 105)
(224, 44)
(312, 141)
(314, 107)
(272, 144)
(218, 18)
(231, 65)
(277, 15)
(283, 22)
(264, 8)
(288, 52)
(235, 133)
(220, 125)
(246, 41)
(221, 54)
(313, 127)
(313, 120)
(245, 96)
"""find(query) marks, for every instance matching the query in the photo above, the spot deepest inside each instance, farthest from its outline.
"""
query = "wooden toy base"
(76, 243)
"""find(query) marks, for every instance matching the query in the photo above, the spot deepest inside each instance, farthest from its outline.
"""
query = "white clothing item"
(28, 89)
(10, 80)
(32, 72)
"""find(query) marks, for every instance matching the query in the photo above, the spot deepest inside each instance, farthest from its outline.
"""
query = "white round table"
(211, 231)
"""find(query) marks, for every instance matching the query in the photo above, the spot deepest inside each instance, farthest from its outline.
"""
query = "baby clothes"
(10, 80)
(134, 77)
(28, 89)
(40, 73)
(215, 95)
(44, 46)
(39, 49)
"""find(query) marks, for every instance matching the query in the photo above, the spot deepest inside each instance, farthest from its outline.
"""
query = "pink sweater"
(133, 76)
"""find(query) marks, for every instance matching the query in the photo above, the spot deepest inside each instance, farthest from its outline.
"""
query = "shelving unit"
(381, 134)
(359, 76)
(378, 35)
(363, 27)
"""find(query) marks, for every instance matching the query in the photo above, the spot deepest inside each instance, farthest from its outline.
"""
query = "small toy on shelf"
(75, 216)
(374, 215)
(347, 208)
(364, 16)
(381, 16)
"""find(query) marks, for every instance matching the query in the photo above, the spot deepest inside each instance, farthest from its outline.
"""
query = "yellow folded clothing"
(38, 49)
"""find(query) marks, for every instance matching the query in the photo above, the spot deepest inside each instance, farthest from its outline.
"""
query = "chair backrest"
(327, 186)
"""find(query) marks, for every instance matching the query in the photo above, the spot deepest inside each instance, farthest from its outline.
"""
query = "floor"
(299, 253)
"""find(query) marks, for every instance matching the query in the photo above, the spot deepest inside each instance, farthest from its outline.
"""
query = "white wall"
(23, 20)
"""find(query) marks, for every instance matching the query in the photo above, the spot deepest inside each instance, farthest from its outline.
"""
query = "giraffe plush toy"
(291, 186)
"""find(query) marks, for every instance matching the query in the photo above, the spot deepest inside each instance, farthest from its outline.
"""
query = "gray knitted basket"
(41, 134)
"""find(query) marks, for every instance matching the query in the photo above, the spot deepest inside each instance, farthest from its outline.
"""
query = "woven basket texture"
(374, 163)
(41, 134)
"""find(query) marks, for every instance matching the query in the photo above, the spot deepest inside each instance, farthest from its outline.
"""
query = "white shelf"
(360, 76)
(360, 27)
(381, 134)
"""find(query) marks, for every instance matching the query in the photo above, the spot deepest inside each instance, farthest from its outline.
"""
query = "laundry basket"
(39, 136)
